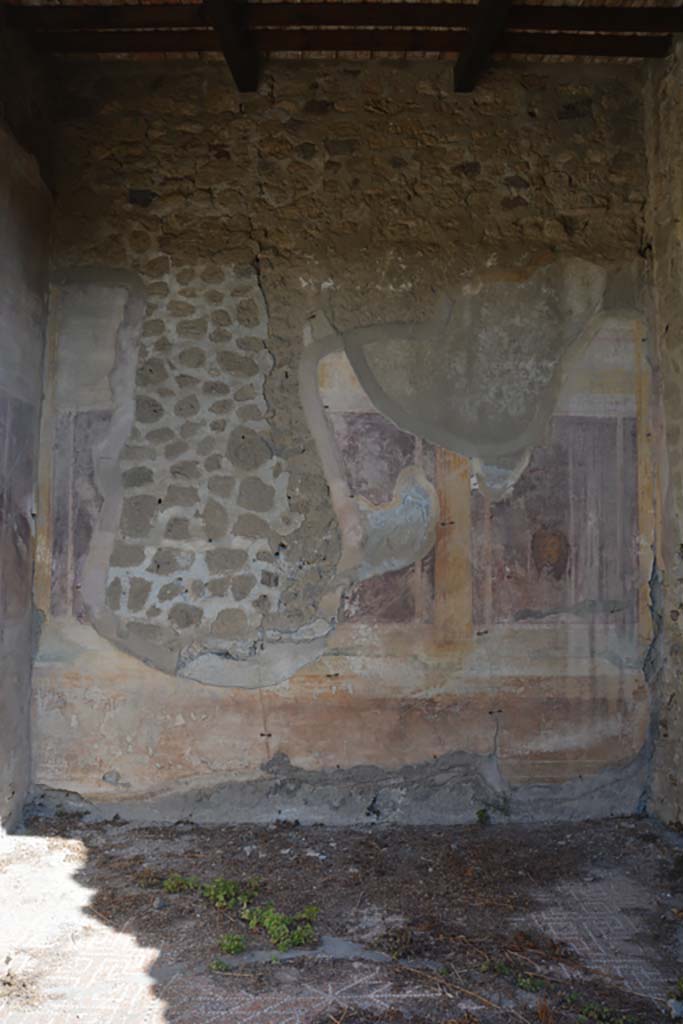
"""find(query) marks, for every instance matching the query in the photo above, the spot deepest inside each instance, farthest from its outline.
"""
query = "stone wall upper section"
(372, 184)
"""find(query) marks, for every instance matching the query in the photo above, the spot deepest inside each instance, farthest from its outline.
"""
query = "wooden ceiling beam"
(485, 32)
(229, 19)
(610, 20)
(79, 17)
(345, 40)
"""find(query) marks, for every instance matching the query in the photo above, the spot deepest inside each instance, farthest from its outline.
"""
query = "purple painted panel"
(17, 440)
(382, 599)
(374, 452)
(61, 514)
(89, 429)
(564, 542)
(5, 512)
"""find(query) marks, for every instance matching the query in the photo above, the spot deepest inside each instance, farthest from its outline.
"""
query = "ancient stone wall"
(24, 221)
(367, 445)
(664, 119)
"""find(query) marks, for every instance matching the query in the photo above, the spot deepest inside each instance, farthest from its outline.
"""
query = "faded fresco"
(480, 632)
(557, 552)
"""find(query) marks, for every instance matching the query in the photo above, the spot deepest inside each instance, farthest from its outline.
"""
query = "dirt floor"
(558, 924)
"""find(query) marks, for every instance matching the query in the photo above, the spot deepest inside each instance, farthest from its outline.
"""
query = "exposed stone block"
(169, 591)
(242, 586)
(166, 561)
(234, 363)
(225, 559)
(192, 358)
(138, 476)
(183, 496)
(177, 529)
(247, 449)
(125, 556)
(185, 616)
(186, 407)
(255, 495)
(252, 527)
(215, 520)
(230, 624)
(138, 592)
(137, 514)
(148, 410)
(223, 486)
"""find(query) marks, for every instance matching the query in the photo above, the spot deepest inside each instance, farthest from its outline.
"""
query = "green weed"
(220, 967)
(224, 894)
(529, 983)
(177, 883)
(284, 931)
(232, 944)
(596, 1013)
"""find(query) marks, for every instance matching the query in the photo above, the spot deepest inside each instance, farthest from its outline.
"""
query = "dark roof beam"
(229, 19)
(345, 40)
(485, 32)
(609, 20)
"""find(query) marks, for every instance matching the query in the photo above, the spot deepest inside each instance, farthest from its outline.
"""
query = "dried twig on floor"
(464, 992)
(339, 1020)
(545, 1014)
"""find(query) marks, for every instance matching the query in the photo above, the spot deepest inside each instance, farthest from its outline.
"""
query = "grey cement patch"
(268, 667)
(481, 378)
(330, 947)
(452, 789)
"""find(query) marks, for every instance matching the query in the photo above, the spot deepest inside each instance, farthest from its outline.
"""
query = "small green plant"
(309, 913)
(232, 944)
(177, 883)
(221, 893)
(677, 991)
(498, 967)
(483, 816)
(597, 1013)
(224, 894)
(529, 983)
(283, 931)
(220, 967)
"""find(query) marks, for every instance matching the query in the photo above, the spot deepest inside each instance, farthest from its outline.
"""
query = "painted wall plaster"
(24, 220)
(663, 243)
(313, 611)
